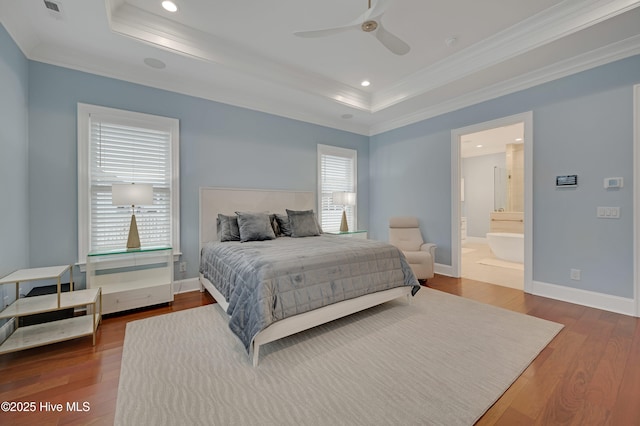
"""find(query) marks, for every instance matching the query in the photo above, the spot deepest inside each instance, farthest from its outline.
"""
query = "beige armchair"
(404, 233)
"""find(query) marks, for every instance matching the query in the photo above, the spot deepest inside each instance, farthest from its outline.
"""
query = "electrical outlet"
(575, 274)
(183, 266)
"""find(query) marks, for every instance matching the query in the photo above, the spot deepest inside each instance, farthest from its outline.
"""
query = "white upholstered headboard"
(229, 200)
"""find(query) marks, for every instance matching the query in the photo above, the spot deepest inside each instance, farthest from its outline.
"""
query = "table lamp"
(344, 199)
(132, 194)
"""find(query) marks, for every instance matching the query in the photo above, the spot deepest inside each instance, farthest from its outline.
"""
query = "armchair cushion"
(404, 233)
(406, 239)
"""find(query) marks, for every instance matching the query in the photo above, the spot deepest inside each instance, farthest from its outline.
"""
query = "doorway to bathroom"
(491, 203)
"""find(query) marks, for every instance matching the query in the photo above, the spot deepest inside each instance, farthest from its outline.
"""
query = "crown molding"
(601, 56)
(291, 89)
(547, 26)
(158, 31)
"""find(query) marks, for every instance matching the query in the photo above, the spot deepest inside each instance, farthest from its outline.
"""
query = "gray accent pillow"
(303, 223)
(255, 227)
(283, 225)
(228, 228)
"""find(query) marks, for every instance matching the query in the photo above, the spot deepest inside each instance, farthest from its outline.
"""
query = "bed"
(277, 287)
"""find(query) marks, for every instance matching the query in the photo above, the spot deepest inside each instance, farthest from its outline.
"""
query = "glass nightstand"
(131, 278)
(355, 234)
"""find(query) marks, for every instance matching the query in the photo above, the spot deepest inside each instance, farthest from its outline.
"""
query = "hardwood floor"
(588, 375)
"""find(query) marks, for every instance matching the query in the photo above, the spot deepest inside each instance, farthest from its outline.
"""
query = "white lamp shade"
(344, 198)
(131, 194)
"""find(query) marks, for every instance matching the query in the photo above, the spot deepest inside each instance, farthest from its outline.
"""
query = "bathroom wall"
(478, 197)
(515, 171)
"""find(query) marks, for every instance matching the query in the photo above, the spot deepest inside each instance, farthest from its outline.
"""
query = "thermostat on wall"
(613, 182)
(566, 181)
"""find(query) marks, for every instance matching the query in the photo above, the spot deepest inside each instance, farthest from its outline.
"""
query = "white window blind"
(125, 154)
(336, 173)
(126, 147)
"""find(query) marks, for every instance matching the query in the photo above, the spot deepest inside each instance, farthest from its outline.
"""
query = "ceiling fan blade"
(374, 13)
(326, 32)
(390, 41)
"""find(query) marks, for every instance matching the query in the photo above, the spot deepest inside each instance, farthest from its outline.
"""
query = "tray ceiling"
(245, 53)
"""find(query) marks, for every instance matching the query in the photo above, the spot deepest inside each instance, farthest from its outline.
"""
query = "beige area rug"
(501, 263)
(441, 360)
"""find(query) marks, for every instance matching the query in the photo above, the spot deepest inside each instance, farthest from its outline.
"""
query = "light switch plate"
(608, 212)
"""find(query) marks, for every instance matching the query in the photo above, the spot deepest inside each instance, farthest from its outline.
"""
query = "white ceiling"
(244, 53)
(491, 141)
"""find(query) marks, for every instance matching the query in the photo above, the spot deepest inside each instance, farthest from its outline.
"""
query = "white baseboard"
(607, 302)
(184, 286)
(441, 269)
(6, 330)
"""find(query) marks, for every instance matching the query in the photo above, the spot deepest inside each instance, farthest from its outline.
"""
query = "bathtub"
(507, 246)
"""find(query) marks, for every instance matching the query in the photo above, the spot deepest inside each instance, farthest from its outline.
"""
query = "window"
(337, 171)
(116, 146)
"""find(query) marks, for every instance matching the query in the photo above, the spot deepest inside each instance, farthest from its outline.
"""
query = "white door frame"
(636, 197)
(456, 136)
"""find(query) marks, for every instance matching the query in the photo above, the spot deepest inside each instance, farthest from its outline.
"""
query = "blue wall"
(583, 124)
(220, 145)
(14, 178)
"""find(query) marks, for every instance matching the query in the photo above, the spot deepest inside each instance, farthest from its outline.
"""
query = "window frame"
(349, 153)
(170, 125)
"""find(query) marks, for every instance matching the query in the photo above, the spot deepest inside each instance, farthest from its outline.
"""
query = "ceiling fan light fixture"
(169, 6)
(369, 26)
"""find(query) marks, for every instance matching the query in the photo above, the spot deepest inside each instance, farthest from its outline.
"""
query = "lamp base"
(133, 242)
(344, 227)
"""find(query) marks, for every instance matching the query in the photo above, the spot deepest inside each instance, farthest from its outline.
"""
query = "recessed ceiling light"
(451, 41)
(169, 6)
(347, 116)
(155, 63)
(365, 83)
(478, 146)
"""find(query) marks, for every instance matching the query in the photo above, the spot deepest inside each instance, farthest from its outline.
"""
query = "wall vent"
(54, 8)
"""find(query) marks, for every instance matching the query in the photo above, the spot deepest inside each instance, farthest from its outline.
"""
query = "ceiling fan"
(369, 22)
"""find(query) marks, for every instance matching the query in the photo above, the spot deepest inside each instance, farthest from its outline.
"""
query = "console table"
(131, 278)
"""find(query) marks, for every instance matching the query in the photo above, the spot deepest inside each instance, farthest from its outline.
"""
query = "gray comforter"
(266, 281)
